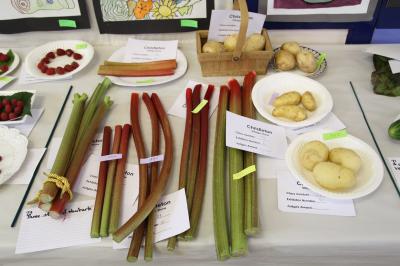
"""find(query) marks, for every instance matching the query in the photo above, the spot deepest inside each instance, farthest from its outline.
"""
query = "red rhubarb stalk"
(119, 179)
(202, 173)
(137, 238)
(183, 169)
(101, 184)
(251, 218)
(163, 177)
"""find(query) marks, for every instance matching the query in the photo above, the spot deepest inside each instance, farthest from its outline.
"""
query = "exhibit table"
(371, 237)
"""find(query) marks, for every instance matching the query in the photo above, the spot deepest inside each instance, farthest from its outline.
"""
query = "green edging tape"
(6, 79)
(244, 172)
(335, 135)
(67, 23)
(81, 46)
(145, 81)
(189, 23)
(200, 106)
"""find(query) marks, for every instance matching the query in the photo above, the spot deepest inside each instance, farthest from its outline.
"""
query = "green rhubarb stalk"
(155, 150)
(236, 187)
(202, 172)
(251, 218)
(112, 166)
(119, 180)
(183, 168)
(58, 205)
(221, 237)
(60, 166)
(101, 185)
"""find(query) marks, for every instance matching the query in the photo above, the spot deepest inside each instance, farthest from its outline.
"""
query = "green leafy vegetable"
(23, 96)
(10, 60)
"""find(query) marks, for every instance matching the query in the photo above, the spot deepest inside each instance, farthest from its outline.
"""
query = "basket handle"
(244, 21)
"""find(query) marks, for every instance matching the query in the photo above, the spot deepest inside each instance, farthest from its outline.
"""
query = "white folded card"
(394, 163)
(145, 50)
(227, 22)
(38, 231)
(394, 66)
(294, 197)
(26, 128)
(255, 136)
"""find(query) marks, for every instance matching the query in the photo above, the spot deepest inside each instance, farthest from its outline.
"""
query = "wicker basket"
(236, 63)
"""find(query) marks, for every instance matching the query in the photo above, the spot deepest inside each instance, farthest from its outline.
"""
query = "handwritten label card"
(254, 136)
(179, 107)
(145, 50)
(38, 231)
(293, 196)
(330, 122)
(227, 22)
(172, 218)
(394, 163)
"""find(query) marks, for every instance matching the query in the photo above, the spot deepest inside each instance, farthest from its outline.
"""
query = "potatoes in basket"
(291, 112)
(291, 47)
(313, 152)
(213, 47)
(308, 101)
(333, 176)
(306, 61)
(230, 42)
(288, 98)
(254, 42)
(346, 158)
(284, 60)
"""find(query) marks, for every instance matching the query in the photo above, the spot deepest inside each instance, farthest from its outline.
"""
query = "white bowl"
(23, 119)
(280, 83)
(368, 177)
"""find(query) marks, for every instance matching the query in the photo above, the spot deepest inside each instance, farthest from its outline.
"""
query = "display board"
(42, 15)
(152, 16)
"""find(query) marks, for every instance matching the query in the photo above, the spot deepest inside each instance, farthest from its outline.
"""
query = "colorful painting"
(304, 4)
(32, 6)
(128, 10)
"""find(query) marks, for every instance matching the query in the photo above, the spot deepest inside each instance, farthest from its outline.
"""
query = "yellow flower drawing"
(165, 9)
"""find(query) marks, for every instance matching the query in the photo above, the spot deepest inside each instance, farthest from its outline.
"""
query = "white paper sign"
(268, 167)
(330, 122)
(394, 66)
(227, 22)
(95, 148)
(294, 197)
(24, 174)
(394, 163)
(172, 218)
(152, 159)
(179, 107)
(389, 50)
(255, 136)
(5, 80)
(38, 231)
(25, 78)
(145, 50)
(27, 127)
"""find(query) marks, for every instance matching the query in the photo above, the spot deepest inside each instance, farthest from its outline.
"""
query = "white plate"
(38, 53)
(14, 147)
(321, 69)
(284, 82)
(14, 64)
(19, 121)
(180, 70)
(369, 176)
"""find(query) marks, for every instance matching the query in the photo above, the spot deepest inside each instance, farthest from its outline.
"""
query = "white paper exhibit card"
(147, 50)
(27, 127)
(394, 163)
(330, 122)
(293, 196)
(172, 218)
(38, 231)
(224, 23)
(394, 66)
(255, 136)
(179, 107)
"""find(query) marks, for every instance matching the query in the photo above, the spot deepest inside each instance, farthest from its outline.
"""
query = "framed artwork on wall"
(152, 16)
(42, 15)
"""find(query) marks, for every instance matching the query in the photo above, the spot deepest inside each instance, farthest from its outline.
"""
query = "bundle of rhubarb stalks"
(243, 202)
(152, 182)
(143, 69)
(82, 125)
(193, 165)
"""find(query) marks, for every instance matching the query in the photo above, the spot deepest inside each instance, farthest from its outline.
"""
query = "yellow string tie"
(35, 199)
(61, 182)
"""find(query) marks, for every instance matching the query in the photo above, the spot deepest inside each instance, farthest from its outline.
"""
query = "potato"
(308, 101)
(346, 158)
(291, 47)
(255, 42)
(284, 60)
(291, 112)
(288, 98)
(212, 47)
(306, 61)
(333, 176)
(230, 42)
(313, 152)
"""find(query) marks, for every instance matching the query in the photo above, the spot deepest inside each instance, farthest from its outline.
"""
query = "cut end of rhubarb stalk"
(223, 257)
(239, 253)
(131, 259)
(94, 235)
(45, 206)
(55, 215)
(252, 231)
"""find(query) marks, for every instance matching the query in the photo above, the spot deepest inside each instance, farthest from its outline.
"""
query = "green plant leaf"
(25, 97)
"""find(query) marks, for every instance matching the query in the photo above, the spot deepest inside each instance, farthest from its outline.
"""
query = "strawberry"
(77, 56)
(12, 116)
(69, 52)
(5, 102)
(51, 55)
(1, 106)
(3, 116)
(3, 68)
(20, 104)
(75, 65)
(51, 71)
(60, 52)
(45, 60)
(60, 71)
(8, 108)
(14, 102)
(3, 57)
(44, 69)
(18, 110)
(68, 68)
